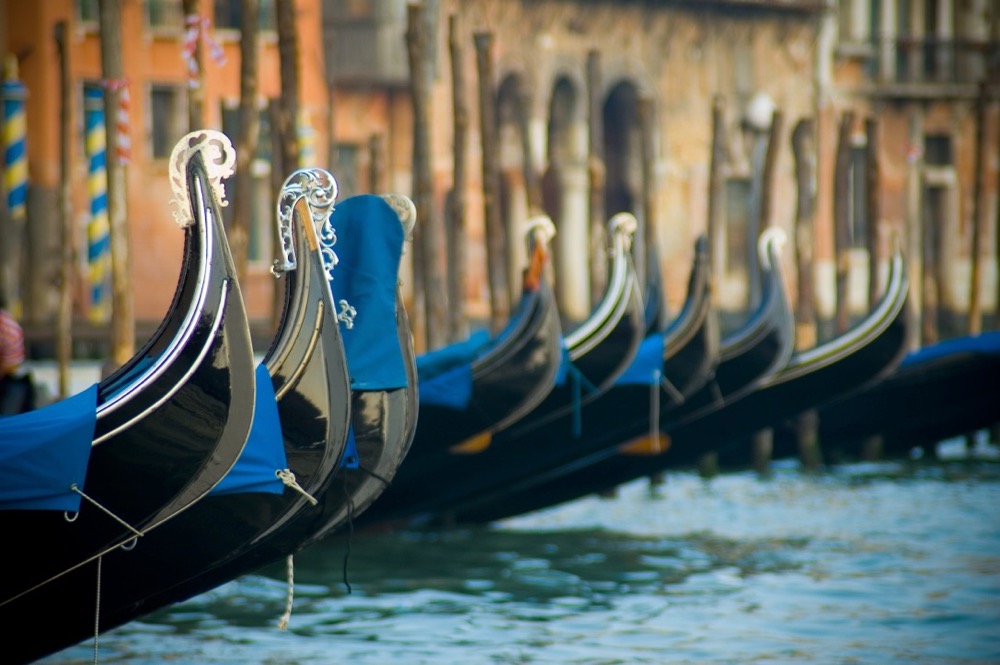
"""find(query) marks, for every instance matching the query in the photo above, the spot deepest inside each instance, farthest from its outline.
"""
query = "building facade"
(569, 80)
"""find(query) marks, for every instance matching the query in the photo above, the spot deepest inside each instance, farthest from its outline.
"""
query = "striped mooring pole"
(15, 161)
(98, 227)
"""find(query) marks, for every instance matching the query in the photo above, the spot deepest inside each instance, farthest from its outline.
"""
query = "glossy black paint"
(601, 356)
(208, 543)
(181, 430)
(171, 438)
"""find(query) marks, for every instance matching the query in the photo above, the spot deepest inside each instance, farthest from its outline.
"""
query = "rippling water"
(887, 563)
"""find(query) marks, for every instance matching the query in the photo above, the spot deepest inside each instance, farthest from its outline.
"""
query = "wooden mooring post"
(763, 440)
(804, 153)
(496, 245)
(872, 447)
(455, 216)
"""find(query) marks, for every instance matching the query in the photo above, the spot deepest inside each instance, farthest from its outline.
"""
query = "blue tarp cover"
(447, 358)
(264, 452)
(44, 452)
(986, 343)
(452, 388)
(369, 246)
(647, 366)
(350, 459)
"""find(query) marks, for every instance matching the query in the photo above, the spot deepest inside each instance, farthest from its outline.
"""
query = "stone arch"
(512, 160)
(564, 195)
(623, 160)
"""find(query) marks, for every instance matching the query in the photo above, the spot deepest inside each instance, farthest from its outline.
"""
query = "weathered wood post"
(872, 447)
(804, 152)
(496, 245)
(122, 297)
(975, 322)
(64, 313)
(429, 233)
(196, 75)
(873, 214)
(763, 439)
(596, 177)
(647, 216)
(842, 221)
(716, 188)
(248, 138)
(455, 220)
(376, 163)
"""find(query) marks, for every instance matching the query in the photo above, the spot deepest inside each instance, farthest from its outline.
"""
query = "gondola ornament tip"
(319, 189)
(220, 162)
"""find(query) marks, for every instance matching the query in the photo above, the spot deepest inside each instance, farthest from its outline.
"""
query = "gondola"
(937, 392)
(599, 352)
(298, 439)
(811, 377)
(616, 450)
(383, 366)
(103, 468)
(479, 386)
(365, 290)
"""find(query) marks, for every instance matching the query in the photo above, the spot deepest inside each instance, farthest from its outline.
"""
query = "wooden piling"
(804, 153)
(496, 245)
(247, 140)
(429, 232)
(872, 447)
(455, 218)
(842, 221)
(644, 262)
(716, 187)
(122, 295)
(64, 312)
(975, 318)
(596, 177)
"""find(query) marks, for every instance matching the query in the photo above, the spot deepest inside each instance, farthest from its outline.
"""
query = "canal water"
(879, 563)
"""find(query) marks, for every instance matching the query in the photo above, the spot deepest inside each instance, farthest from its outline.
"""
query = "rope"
(287, 616)
(97, 611)
(669, 388)
(288, 478)
(654, 411)
(125, 524)
(350, 533)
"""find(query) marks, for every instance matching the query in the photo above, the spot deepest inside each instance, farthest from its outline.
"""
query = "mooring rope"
(287, 616)
(350, 533)
(654, 411)
(125, 524)
(288, 478)
(97, 611)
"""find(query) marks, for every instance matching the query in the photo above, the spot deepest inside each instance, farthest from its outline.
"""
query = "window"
(229, 14)
(87, 13)
(858, 196)
(168, 118)
(165, 14)
(937, 150)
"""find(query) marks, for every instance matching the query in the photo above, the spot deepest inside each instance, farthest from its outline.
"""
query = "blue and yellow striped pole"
(15, 159)
(98, 228)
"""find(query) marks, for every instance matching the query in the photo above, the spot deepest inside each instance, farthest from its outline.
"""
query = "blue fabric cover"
(564, 366)
(264, 452)
(447, 358)
(350, 459)
(369, 246)
(647, 366)
(986, 343)
(452, 388)
(46, 451)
